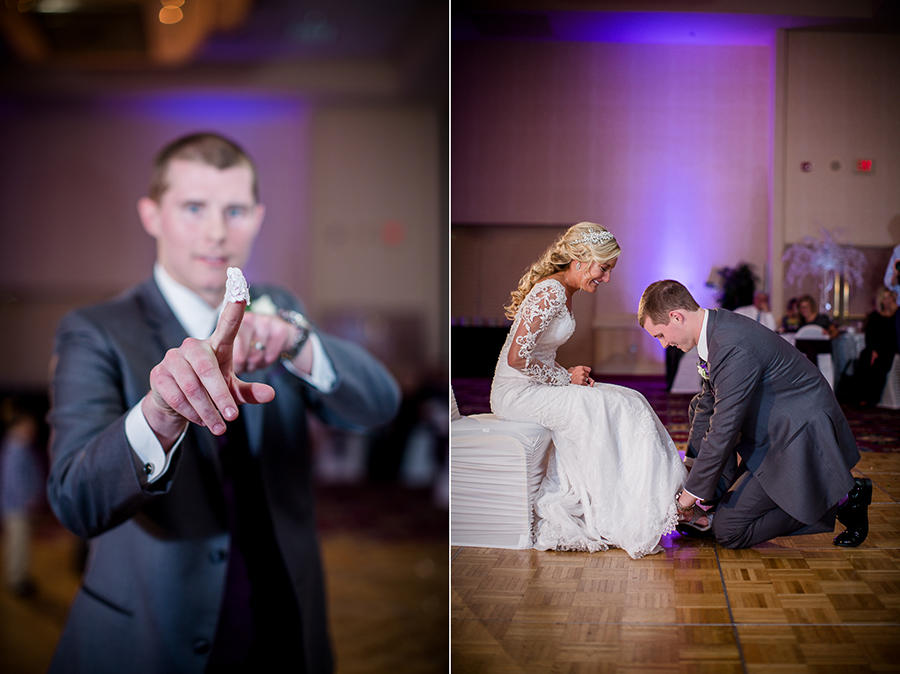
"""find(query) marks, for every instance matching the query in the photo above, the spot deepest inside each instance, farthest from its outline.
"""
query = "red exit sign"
(865, 165)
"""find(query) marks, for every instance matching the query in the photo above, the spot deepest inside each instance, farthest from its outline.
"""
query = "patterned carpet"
(876, 430)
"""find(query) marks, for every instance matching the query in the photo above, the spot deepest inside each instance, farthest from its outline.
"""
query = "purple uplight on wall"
(207, 108)
(683, 28)
(698, 28)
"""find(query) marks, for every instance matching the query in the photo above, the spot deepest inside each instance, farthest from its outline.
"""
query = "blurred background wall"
(342, 104)
(682, 127)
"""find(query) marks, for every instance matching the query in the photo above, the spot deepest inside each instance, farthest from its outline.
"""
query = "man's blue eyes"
(194, 209)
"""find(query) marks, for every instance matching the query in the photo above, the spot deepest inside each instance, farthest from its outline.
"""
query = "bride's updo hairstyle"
(585, 242)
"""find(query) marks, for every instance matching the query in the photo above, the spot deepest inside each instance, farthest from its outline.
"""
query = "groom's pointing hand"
(196, 383)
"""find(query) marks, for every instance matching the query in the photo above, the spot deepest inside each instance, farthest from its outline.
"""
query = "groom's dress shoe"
(854, 514)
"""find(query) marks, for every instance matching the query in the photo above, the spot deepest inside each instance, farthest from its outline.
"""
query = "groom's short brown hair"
(204, 148)
(662, 297)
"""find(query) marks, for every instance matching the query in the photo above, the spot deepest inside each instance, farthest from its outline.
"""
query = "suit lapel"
(159, 317)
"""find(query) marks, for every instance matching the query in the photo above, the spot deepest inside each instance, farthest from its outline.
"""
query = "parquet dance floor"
(789, 606)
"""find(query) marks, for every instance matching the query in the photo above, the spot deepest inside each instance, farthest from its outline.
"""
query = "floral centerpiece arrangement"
(824, 258)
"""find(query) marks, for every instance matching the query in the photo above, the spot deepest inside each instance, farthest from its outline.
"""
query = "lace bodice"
(542, 324)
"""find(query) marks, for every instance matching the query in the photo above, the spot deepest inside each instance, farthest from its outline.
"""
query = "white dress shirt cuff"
(145, 444)
(691, 495)
(323, 375)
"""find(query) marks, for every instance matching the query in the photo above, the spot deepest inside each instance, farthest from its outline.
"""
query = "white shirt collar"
(702, 346)
(196, 316)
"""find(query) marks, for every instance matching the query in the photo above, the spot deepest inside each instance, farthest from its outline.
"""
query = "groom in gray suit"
(193, 485)
(768, 440)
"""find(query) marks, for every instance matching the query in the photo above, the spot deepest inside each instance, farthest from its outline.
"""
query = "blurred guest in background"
(21, 488)
(892, 281)
(790, 322)
(194, 486)
(877, 357)
(892, 273)
(809, 315)
(759, 311)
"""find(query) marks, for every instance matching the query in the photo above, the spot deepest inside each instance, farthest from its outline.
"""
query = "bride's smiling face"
(597, 273)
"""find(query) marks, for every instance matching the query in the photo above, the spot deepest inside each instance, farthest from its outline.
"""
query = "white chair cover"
(890, 397)
(496, 468)
(823, 360)
(811, 332)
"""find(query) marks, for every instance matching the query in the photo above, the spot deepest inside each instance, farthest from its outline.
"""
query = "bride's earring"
(578, 265)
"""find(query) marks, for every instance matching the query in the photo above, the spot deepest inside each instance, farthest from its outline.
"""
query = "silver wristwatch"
(304, 327)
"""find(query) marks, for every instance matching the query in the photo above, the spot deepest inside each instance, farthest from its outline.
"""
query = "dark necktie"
(258, 606)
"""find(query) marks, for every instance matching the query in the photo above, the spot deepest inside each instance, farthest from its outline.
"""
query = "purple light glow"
(673, 28)
(205, 109)
(687, 28)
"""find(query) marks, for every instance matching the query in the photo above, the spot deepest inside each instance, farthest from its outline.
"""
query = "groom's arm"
(733, 379)
(699, 413)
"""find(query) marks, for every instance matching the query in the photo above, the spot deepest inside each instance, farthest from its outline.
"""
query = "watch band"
(304, 328)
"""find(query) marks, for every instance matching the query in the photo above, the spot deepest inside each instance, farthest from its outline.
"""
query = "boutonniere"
(263, 305)
(703, 369)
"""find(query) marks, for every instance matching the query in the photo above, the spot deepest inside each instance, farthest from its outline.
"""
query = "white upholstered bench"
(496, 468)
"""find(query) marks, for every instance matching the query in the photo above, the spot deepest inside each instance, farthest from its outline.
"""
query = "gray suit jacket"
(766, 401)
(155, 576)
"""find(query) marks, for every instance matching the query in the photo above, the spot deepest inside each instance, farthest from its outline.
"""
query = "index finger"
(228, 325)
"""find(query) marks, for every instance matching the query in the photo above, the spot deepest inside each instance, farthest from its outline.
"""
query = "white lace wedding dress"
(615, 471)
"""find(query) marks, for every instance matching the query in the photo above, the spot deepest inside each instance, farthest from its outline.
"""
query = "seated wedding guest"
(194, 486)
(877, 357)
(615, 471)
(764, 403)
(790, 322)
(808, 309)
(759, 311)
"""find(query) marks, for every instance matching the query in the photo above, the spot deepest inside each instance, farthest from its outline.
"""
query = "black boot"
(854, 514)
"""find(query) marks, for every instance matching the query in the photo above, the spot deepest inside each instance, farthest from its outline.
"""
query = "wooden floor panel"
(792, 605)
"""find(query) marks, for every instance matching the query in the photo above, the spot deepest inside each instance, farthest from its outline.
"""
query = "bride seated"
(615, 471)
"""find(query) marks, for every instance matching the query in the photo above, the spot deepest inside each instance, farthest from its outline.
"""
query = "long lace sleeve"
(537, 311)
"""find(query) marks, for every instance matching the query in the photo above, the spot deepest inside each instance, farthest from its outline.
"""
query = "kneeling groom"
(761, 400)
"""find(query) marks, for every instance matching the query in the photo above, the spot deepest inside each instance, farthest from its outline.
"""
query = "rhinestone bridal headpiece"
(594, 237)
